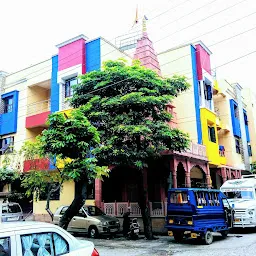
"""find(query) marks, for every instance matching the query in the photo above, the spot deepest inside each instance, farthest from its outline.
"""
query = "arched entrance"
(121, 185)
(181, 177)
(198, 178)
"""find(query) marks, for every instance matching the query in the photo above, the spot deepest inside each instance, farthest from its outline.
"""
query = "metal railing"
(38, 107)
(157, 209)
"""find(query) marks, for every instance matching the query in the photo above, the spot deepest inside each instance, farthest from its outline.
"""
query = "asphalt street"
(241, 243)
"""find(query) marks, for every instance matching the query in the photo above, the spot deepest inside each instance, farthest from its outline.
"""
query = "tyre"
(93, 232)
(224, 233)
(178, 236)
(208, 237)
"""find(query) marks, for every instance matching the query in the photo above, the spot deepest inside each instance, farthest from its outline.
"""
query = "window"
(68, 86)
(249, 150)
(179, 198)
(5, 246)
(55, 195)
(211, 134)
(63, 210)
(238, 150)
(245, 119)
(8, 104)
(44, 244)
(236, 111)
(6, 145)
(207, 92)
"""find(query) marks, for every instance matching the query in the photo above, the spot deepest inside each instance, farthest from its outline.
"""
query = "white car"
(38, 238)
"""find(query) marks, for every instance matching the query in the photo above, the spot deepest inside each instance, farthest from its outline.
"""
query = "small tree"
(73, 139)
(127, 104)
(9, 172)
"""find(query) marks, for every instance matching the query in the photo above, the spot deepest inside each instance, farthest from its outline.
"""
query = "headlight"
(117, 222)
(250, 212)
(170, 221)
(190, 222)
(104, 223)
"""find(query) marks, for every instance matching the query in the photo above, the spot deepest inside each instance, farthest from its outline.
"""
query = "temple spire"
(145, 50)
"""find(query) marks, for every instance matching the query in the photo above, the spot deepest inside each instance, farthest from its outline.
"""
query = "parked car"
(11, 212)
(38, 238)
(197, 213)
(90, 220)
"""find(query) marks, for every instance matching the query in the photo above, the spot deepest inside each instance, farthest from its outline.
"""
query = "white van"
(241, 196)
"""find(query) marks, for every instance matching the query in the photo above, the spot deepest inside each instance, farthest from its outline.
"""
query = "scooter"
(134, 229)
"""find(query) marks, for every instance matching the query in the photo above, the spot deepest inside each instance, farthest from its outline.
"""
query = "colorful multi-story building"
(214, 114)
(207, 111)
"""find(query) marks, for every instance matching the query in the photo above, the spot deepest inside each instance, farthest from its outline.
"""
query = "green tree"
(73, 139)
(127, 104)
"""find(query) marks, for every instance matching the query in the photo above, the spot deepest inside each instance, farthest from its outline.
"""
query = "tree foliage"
(127, 105)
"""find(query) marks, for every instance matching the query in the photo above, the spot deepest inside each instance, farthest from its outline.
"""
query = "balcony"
(42, 164)
(37, 114)
(223, 159)
(195, 151)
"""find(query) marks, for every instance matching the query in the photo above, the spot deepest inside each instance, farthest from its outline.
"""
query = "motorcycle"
(134, 230)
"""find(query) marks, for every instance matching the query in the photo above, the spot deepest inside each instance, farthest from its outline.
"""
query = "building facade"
(214, 114)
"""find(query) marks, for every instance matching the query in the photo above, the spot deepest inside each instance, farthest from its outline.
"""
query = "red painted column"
(208, 177)
(98, 192)
(173, 167)
(223, 174)
(188, 180)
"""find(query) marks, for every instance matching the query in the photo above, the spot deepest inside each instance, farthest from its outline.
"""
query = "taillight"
(95, 253)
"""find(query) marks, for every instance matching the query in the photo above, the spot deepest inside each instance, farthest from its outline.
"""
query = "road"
(240, 243)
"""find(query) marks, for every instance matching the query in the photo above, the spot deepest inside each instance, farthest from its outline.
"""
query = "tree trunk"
(144, 206)
(51, 190)
(76, 205)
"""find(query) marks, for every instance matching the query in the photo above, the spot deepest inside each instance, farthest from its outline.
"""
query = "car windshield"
(240, 194)
(179, 198)
(11, 208)
(93, 211)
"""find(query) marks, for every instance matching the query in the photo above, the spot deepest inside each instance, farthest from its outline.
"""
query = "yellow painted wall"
(178, 61)
(226, 138)
(37, 93)
(66, 197)
(212, 149)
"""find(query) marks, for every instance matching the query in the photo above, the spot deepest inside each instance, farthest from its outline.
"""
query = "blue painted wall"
(8, 121)
(196, 96)
(235, 121)
(246, 127)
(55, 93)
(92, 53)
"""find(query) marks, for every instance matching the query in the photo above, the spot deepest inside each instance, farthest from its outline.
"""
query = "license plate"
(237, 220)
(170, 233)
(136, 231)
(12, 218)
(113, 230)
(193, 235)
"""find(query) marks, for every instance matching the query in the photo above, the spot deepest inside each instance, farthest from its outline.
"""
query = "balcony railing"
(197, 149)
(38, 107)
(157, 209)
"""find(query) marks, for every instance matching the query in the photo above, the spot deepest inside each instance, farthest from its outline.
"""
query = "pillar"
(223, 174)
(98, 192)
(208, 177)
(188, 179)
(173, 169)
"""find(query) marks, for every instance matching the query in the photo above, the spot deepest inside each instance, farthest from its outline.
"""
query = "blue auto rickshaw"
(197, 213)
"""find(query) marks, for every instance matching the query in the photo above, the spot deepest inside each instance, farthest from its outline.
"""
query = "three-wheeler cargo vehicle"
(197, 213)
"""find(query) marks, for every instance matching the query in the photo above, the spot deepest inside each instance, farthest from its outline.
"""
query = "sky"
(31, 29)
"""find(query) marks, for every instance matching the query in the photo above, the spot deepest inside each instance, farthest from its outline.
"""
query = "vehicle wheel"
(224, 233)
(93, 232)
(208, 237)
(178, 236)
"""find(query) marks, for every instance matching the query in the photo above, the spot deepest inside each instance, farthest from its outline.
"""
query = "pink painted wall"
(203, 61)
(72, 54)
